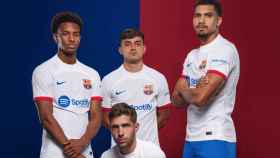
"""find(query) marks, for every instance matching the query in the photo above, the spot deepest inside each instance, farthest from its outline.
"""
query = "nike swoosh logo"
(59, 83)
(120, 92)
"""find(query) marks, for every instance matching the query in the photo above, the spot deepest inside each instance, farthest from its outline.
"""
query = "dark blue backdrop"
(26, 41)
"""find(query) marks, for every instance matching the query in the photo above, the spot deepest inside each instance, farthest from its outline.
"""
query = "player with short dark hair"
(67, 95)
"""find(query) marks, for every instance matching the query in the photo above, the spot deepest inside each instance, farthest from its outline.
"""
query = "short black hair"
(129, 33)
(216, 3)
(120, 109)
(65, 17)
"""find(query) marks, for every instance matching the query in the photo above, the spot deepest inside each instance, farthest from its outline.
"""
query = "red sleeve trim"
(165, 107)
(43, 98)
(218, 73)
(96, 98)
(106, 109)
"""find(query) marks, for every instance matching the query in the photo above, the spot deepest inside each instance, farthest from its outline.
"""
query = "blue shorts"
(209, 149)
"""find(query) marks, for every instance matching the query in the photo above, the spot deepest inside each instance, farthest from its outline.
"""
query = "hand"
(203, 81)
(74, 147)
(80, 156)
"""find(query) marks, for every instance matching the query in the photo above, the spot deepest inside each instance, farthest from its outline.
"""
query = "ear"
(220, 20)
(144, 49)
(55, 38)
(136, 126)
(120, 50)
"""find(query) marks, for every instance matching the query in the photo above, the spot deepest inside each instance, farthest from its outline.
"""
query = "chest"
(72, 83)
(135, 90)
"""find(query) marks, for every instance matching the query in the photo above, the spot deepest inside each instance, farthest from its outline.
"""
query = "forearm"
(178, 100)
(92, 128)
(105, 120)
(53, 128)
(162, 118)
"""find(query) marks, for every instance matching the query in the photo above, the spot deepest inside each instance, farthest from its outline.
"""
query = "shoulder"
(45, 67)
(225, 46)
(151, 149)
(190, 55)
(113, 76)
(89, 70)
(154, 73)
(110, 153)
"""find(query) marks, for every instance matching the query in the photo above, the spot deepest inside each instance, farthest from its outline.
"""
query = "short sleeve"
(96, 89)
(184, 71)
(163, 96)
(221, 62)
(42, 83)
(106, 94)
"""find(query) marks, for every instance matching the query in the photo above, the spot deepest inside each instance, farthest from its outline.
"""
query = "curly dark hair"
(65, 17)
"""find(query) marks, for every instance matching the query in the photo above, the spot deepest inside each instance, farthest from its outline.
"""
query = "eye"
(138, 43)
(127, 44)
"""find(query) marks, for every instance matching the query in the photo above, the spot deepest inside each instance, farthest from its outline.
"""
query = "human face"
(132, 50)
(68, 38)
(206, 21)
(124, 132)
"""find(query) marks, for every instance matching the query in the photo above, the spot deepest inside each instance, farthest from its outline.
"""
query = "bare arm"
(45, 109)
(94, 121)
(177, 98)
(202, 95)
(76, 146)
(105, 120)
(162, 117)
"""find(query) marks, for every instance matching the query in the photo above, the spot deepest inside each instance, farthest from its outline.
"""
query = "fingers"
(203, 81)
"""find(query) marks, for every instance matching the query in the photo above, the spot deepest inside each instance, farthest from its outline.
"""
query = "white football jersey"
(70, 87)
(146, 91)
(214, 120)
(143, 149)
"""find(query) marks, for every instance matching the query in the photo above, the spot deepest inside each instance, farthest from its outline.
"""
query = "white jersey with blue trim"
(145, 91)
(213, 121)
(70, 88)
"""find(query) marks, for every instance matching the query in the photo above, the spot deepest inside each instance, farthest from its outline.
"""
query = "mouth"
(71, 46)
(121, 141)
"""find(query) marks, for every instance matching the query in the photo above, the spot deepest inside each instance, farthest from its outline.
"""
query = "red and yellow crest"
(87, 83)
(148, 89)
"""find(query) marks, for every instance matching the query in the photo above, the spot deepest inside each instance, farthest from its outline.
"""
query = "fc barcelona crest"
(148, 89)
(87, 83)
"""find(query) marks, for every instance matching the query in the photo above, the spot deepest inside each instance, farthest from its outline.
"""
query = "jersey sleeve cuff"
(43, 98)
(106, 109)
(165, 107)
(218, 73)
(96, 98)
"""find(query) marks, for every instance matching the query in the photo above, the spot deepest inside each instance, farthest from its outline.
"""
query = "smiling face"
(124, 132)
(68, 38)
(206, 21)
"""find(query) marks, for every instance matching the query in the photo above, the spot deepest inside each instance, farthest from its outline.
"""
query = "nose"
(71, 38)
(120, 132)
(201, 19)
(133, 46)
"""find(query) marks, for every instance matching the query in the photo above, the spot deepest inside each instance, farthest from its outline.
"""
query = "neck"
(67, 58)
(133, 67)
(129, 149)
(208, 39)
